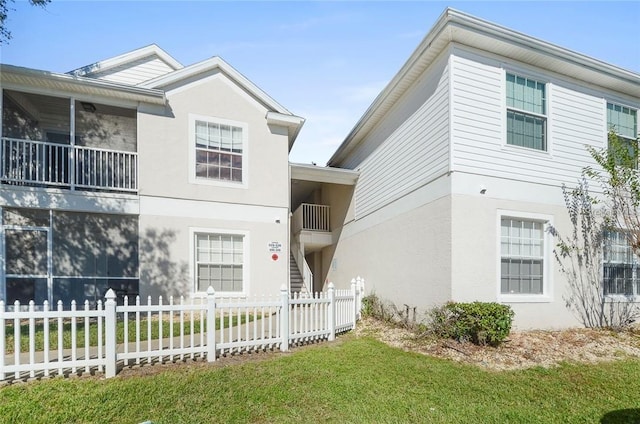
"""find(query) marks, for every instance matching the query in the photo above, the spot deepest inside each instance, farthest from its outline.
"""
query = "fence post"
(360, 295)
(110, 333)
(2, 339)
(354, 309)
(284, 318)
(211, 324)
(332, 312)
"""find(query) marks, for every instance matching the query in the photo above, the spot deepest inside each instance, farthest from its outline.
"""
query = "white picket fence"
(109, 336)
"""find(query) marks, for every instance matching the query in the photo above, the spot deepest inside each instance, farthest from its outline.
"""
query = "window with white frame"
(219, 262)
(526, 112)
(622, 120)
(218, 151)
(620, 267)
(521, 256)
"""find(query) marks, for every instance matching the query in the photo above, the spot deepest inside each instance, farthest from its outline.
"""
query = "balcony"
(311, 217)
(44, 164)
(311, 222)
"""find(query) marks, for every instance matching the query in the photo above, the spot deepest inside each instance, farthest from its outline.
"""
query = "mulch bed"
(522, 349)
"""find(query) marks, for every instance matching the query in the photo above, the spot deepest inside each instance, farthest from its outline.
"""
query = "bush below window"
(479, 322)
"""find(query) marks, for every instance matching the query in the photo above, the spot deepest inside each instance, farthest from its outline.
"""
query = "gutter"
(152, 95)
(454, 19)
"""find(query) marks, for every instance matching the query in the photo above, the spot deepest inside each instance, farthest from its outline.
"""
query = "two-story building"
(142, 175)
(461, 159)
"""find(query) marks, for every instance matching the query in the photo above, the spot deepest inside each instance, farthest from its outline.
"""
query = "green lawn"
(353, 380)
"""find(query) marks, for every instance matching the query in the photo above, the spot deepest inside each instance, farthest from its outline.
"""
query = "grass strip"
(357, 380)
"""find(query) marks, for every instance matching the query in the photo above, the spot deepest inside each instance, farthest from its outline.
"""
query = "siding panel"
(409, 147)
(575, 119)
(135, 72)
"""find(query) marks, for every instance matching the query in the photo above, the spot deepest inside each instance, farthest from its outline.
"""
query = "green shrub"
(374, 307)
(482, 323)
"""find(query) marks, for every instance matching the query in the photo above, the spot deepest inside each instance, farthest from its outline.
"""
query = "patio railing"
(43, 164)
(311, 217)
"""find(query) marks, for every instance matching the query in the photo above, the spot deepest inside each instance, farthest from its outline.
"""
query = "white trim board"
(162, 206)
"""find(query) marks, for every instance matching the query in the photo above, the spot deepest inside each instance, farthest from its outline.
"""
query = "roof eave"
(64, 82)
(293, 124)
(105, 65)
(322, 174)
(454, 19)
(212, 64)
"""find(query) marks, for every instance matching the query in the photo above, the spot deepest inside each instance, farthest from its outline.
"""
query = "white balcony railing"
(38, 163)
(311, 217)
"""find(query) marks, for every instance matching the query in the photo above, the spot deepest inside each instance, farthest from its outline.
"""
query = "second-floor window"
(623, 121)
(219, 149)
(526, 112)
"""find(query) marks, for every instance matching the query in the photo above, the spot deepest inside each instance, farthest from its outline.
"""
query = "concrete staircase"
(297, 281)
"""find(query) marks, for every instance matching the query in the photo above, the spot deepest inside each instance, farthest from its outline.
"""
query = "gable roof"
(215, 63)
(458, 27)
(276, 115)
(128, 58)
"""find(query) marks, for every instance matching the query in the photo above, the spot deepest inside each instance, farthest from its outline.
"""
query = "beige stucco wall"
(404, 258)
(172, 202)
(426, 253)
(164, 145)
(166, 267)
(476, 257)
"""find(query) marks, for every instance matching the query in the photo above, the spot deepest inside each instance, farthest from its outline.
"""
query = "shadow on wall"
(159, 275)
(340, 197)
(622, 416)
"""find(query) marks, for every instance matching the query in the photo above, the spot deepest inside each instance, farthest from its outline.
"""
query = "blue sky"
(325, 61)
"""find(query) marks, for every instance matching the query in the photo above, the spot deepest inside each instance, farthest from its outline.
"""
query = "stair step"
(296, 279)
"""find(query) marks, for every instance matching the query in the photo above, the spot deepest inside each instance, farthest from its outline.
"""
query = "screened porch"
(65, 143)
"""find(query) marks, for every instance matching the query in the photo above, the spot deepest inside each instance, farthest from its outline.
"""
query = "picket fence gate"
(110, 336)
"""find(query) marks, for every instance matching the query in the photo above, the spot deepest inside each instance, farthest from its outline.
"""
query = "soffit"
(37, 81)
(322, 174)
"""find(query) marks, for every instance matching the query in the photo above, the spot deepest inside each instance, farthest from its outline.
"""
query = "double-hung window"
(521, 256)
(219, 149)
(620, 267)
(624, 122)
(219, 262)
(526, 112)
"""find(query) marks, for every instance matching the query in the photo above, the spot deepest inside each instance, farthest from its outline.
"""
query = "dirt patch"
(523, 349)
(189, 365)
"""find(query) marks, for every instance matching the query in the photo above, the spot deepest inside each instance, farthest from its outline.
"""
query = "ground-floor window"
(219, 261)
(55, 255)
(522, 251)
(620, 267)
